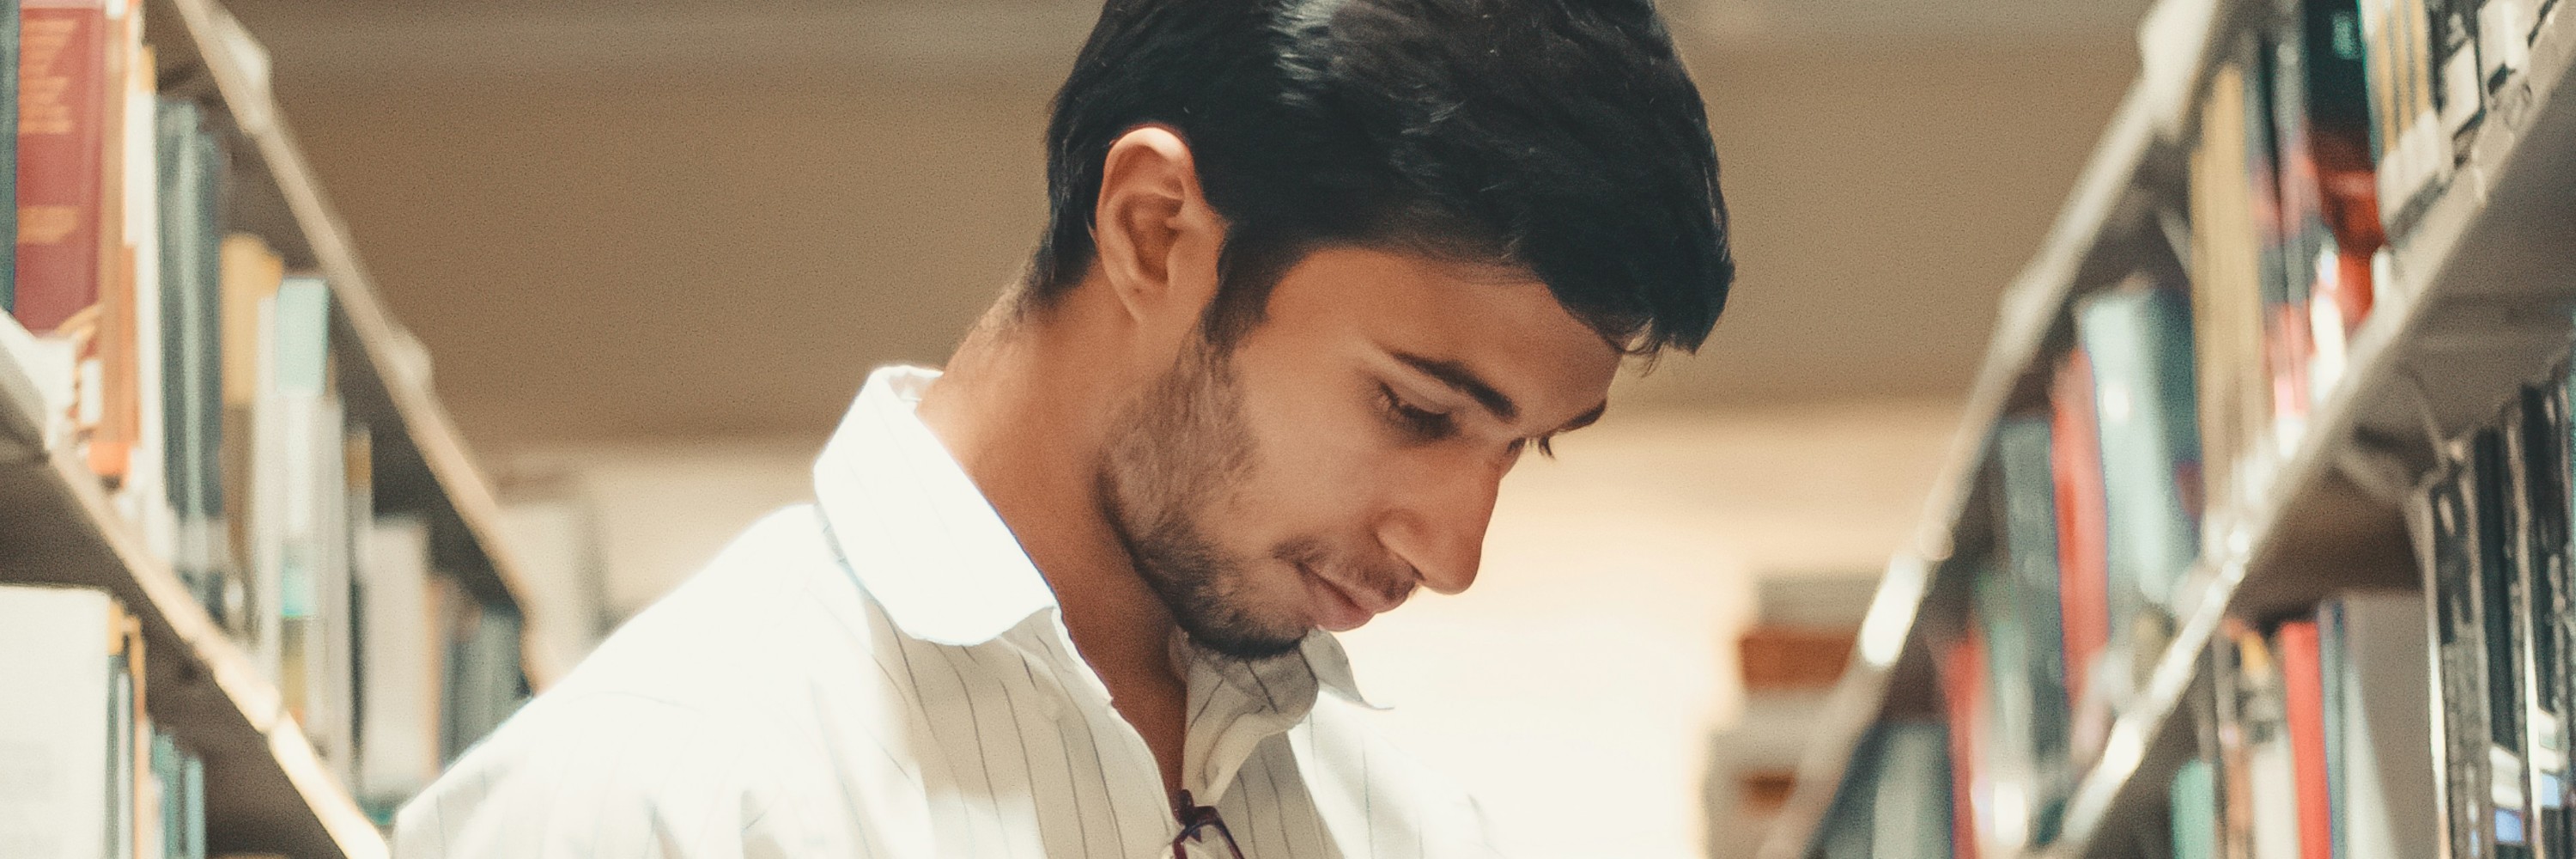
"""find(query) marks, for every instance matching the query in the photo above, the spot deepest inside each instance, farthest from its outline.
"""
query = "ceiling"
(682, 218)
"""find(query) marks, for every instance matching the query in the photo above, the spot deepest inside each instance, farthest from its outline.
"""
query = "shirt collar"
(916, 532)
(927, 546)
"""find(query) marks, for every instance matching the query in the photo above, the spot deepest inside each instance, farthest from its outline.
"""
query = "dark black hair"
(1563, 137)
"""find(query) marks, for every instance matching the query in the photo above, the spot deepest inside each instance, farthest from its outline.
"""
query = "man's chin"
(1242, 644)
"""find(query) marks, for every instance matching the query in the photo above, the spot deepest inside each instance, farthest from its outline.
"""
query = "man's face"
(1347, 449)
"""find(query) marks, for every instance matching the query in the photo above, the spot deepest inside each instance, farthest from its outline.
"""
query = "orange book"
(63, 87)
(2303, 682)
(1963, 701)
(2083, 538)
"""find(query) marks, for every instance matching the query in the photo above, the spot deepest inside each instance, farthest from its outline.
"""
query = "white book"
(328, 718)
(402, 662)
(2275, 785)
(2386, 778)
(55, 794)
(145, 492)
(296, 490)
(267, 528)
(1910, 810)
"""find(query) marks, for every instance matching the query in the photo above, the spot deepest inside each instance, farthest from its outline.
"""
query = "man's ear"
(1157, 238)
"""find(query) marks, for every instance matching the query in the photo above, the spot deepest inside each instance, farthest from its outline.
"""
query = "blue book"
(2139, 339)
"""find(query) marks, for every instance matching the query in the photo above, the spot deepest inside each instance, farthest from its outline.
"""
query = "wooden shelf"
(2479, 305)
(267, 790)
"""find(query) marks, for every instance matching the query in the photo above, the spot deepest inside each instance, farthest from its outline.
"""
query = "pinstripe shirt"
(885, 674)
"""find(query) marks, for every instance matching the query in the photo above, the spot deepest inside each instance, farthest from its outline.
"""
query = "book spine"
(2335, 658)
(123, 308)
(2226, 292)
(2227, 740)
(1963, 699)
(2303, 685)
(2450, 576)
(2496, 589)
(251, 274)
(2139, 339)
(9, 57)
(2075, 465)
(190, 173)
(2027, 503)
(2538, 538)
(62, 116)
(2193, 798)
(2338, 193)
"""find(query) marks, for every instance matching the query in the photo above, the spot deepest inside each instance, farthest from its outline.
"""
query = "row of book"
(2314, 738)
(2097, 515)
(2192, 379)
(2492, 530)
(199, 381)
(2327, 130)
(88, 772)
(2389, 724)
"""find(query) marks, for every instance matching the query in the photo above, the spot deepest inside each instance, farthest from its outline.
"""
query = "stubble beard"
(1182, 446)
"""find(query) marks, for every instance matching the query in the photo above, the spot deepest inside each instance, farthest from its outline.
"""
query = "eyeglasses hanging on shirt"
(1203, 833)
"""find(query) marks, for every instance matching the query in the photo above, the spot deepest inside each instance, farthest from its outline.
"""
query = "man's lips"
(1339, 607)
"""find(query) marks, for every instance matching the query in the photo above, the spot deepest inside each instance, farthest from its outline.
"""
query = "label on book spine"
(62, 96)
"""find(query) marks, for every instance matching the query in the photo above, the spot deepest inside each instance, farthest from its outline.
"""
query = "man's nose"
(1440, 529)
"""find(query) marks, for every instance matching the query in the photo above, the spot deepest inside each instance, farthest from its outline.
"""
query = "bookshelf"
(2478, 305)
(269, 791)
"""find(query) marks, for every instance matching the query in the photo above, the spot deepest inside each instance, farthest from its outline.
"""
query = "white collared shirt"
(885, 674)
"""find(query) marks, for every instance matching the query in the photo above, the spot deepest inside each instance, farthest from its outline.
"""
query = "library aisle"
(2142, 429)
(2257, 541)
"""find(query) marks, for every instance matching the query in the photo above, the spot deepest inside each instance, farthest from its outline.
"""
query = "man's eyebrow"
(1456, 375)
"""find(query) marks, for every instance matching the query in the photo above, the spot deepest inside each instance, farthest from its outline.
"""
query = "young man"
(1319, 272)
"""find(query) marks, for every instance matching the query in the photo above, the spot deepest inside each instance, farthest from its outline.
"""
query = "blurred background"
(655, 245)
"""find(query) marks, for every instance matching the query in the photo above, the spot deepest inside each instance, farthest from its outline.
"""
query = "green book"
(2138, 336)
(190, 180)
(2028, 505)
(9, 153)
(2193, 796)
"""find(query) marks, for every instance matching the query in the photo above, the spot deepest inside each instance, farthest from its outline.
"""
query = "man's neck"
(1025, 413)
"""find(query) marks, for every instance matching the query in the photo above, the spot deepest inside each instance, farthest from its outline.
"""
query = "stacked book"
(89, 774)
(197, 377)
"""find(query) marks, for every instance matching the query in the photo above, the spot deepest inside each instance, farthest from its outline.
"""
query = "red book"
(62, 106)
(1963, 700)
(2303, 682)
(2083, 536)
(2290, 345)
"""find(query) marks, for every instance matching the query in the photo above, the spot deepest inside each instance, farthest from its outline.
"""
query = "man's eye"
(1416, 421)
